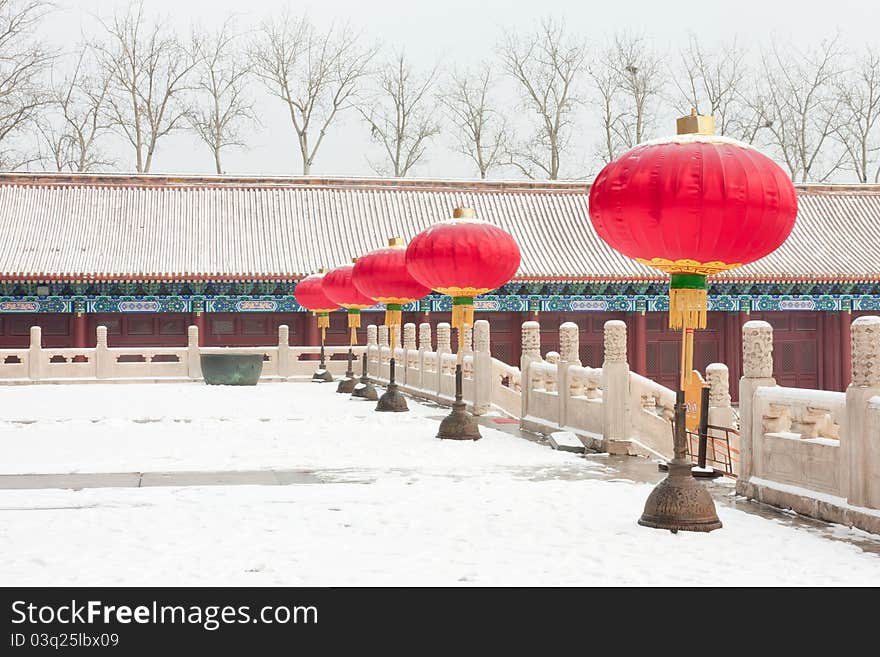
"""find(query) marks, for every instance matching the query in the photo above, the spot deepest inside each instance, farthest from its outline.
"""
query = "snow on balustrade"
(815, 451)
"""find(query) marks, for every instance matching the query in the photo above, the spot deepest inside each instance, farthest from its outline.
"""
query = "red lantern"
(463, 257)
(309, 293)
(693, 205)
(383, 276)
(339, 288)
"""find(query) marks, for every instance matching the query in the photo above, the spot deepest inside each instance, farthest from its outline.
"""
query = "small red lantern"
(693, 205)
(463, 258)
(309, 293)
(339, 288)
(382, 275)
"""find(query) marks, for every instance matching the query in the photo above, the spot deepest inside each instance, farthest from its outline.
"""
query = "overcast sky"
(460, 33)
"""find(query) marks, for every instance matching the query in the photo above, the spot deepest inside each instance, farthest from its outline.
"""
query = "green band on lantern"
(393, 306)
(322, 314)
(354, 311)
(462, 301)
(687, 282)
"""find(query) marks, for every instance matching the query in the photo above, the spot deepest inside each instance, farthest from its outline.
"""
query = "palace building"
(148, 255)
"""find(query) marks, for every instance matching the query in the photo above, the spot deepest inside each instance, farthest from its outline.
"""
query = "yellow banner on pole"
(693, 392)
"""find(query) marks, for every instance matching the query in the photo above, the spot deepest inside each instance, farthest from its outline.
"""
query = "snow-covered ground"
(499, 511)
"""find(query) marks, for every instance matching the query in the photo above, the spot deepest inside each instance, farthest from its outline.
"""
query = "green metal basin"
(232, 369)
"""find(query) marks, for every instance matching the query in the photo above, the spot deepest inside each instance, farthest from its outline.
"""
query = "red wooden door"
(796, 340)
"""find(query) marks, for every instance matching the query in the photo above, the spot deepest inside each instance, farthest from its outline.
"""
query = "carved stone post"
(103, 364)
(283, 351)
(482, 368)
(531, 353)
(616, 425)
(35, 354)
(424, 348)
(444, 346)
(384, 352)
(372, 349)
(468, 347)
(409, 344)
(569, 355)
(193, 356)
(861, 449)
(720, 410)
(757, 338)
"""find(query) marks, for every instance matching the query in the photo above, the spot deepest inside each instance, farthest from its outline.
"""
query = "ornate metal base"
(392, 401)
(680, 503)
(459, 424)
(346, 385)
(322, 376)
(364, 389)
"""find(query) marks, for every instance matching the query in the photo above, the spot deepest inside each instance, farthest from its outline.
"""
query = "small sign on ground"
(566, 441)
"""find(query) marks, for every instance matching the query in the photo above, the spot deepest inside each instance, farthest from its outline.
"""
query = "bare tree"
(316, 74)
(24, 61)
(400, 117)
(79, 120)
(719, 83)
(859, 128)
(607, 101)
(639, 72)
(149, 70)
(483, 131)
(548, 66)
(799, 106)
(225, 108)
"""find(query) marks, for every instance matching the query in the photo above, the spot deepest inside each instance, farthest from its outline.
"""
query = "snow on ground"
(441, 513)
(165, 427)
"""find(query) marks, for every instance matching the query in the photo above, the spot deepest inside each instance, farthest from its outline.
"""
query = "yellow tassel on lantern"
(688, 301)
(354, 323)
(462, 315)
(323, 320)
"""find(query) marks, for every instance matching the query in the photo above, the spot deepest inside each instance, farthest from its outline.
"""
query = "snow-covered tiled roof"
(185, 227)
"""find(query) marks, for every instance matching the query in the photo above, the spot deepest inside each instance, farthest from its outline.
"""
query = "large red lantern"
(309, 293)
(339, 288)
(382, 275)
(693, 205)
(463, 258)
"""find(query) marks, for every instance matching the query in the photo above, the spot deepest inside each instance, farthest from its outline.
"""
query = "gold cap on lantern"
(695, 124)
(395, 241)
(464, 213)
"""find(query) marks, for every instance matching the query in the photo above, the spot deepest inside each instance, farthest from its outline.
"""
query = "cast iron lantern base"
(392, 401)
(680, 503)
(459, 424)
(364, 389)
(322, 376)
(347, 384)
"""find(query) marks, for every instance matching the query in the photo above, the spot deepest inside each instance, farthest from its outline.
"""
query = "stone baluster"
(860, 448)
(424, 349)
(757, 364)
(372, 350)
(35, 354)
(617, 420)
(409, 361)
(444, 346)
(193, 356)
(531, 353)
(384, 353)
(569, 356)
(482, 368)
(103, 358)
(283, 351)
(720, 410)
